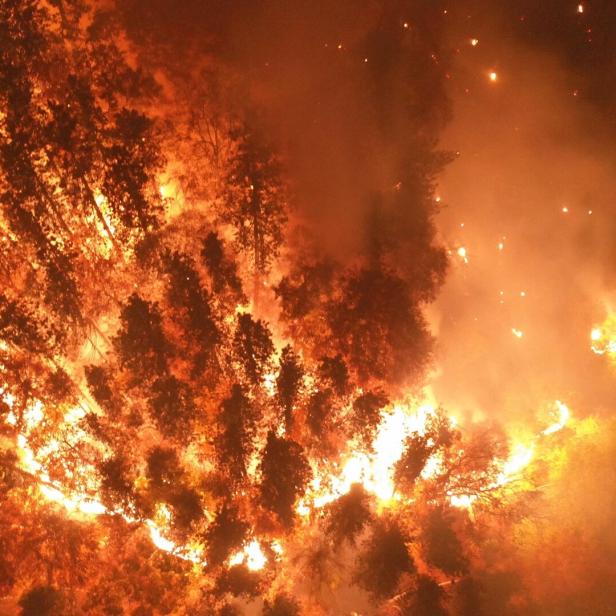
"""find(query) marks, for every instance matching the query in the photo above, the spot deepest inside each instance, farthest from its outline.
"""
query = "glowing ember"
(463, 254)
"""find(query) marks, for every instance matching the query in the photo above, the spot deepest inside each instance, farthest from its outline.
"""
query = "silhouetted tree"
(417, 451)
(289, 383)
(384, 559)
(163, 467)
(238, 581)
(282, 605)
(43, 601)
(255, 202)
(141, 344)
(426, 599)
(253, 347)
(366, 415)
(100, 385)
(225, 534)
(467, 598)
(279, 491)
(349, 514)
(172, 406)
(378, 327)
(187, 508)
(234, 442)
(334, 372)
(441, 545)
(319, 415)
(222, 270)
(191, 307)
(117, 489)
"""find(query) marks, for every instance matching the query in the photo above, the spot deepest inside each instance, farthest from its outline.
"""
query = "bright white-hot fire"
(520, 457)
(603, 337)
(563, 418)
(252, 555)
(373, 469)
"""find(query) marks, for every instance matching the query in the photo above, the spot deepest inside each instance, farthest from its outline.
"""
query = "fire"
(520, 457)
(493, 76)
(373, 470)
(252, 555)
(563, 418)
(603, 337)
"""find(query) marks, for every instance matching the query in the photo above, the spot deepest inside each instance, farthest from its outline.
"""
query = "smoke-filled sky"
(530, 197)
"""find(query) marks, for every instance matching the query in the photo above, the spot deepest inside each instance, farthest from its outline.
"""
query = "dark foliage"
(349, 514)
(253, 347)
(43, 601)
(141, 344)
(279, 491)
(441, 545)
(384, 559)
(172, 407)
(281, 606)
(289, 383)
(239, 581)
(224, 535)
(234, 441)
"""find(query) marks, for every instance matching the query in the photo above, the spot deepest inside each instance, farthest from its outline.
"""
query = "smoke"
(530, 199)
(348, 92)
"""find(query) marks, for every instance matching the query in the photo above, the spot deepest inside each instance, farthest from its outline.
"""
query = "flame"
(374, 470)
(252, 555)
(269, 384)
(520, 457)
(603, 337)
(563, 418)
(82, 504)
